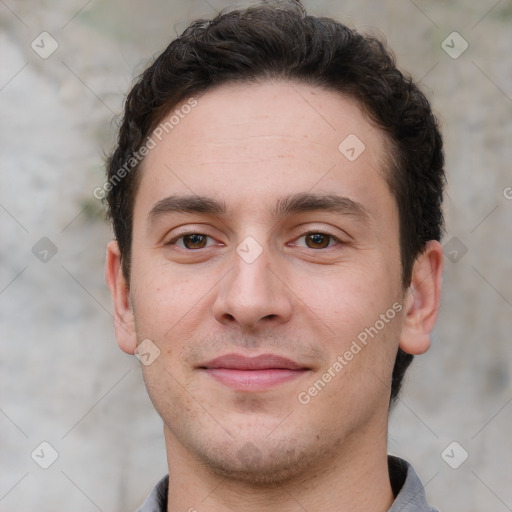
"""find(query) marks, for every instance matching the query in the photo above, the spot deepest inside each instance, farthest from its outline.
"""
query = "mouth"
(253, 373)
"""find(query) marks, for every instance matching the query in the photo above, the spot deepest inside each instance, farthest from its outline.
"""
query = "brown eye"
(194, 241)
(317, 240)
(191, 241)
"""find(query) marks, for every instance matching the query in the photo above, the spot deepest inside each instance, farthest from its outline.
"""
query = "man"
(276, 199)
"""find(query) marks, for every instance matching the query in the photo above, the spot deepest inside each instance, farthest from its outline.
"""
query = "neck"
(357, 480)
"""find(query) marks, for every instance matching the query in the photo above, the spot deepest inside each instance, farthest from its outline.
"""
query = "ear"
(124, 322)
(422, 300)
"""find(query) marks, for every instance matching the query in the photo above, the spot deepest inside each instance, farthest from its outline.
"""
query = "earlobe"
(422, 300)
(124, 322)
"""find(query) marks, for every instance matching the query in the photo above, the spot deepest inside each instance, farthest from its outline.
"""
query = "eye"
(190, 241)
(319, 240)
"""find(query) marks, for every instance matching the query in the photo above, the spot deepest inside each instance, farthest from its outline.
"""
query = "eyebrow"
(287, 205)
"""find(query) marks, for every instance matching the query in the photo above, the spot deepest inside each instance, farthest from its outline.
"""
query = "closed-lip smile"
(257, 373)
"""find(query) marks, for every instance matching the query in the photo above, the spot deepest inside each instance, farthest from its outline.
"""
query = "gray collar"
(408, 489)
(410, 496)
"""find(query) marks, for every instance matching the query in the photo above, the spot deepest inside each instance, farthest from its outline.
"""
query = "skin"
(303, 298)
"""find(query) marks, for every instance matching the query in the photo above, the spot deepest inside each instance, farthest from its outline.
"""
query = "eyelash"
(306, 233)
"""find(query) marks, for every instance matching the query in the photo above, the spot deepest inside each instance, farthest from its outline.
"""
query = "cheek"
(163, 300)
(354, 306)
(342, 298)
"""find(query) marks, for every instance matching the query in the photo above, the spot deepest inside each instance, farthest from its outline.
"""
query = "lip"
(258, 373)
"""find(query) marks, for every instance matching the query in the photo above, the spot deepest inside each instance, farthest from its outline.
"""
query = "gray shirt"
(408, 490)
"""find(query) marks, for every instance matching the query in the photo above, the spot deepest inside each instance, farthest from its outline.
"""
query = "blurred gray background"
(65, 382)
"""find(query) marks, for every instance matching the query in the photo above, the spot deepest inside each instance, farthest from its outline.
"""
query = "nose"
(253, 294)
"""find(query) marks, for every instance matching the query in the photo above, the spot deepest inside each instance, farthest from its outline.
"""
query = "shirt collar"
(157, 500)
(408, 489)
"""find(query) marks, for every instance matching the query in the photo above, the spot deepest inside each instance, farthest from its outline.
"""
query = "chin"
(261, 463)
(249, 465)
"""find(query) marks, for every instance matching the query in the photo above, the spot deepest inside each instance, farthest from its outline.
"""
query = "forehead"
(243, 141)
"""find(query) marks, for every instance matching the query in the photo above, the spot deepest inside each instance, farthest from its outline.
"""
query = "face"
(258, 240)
